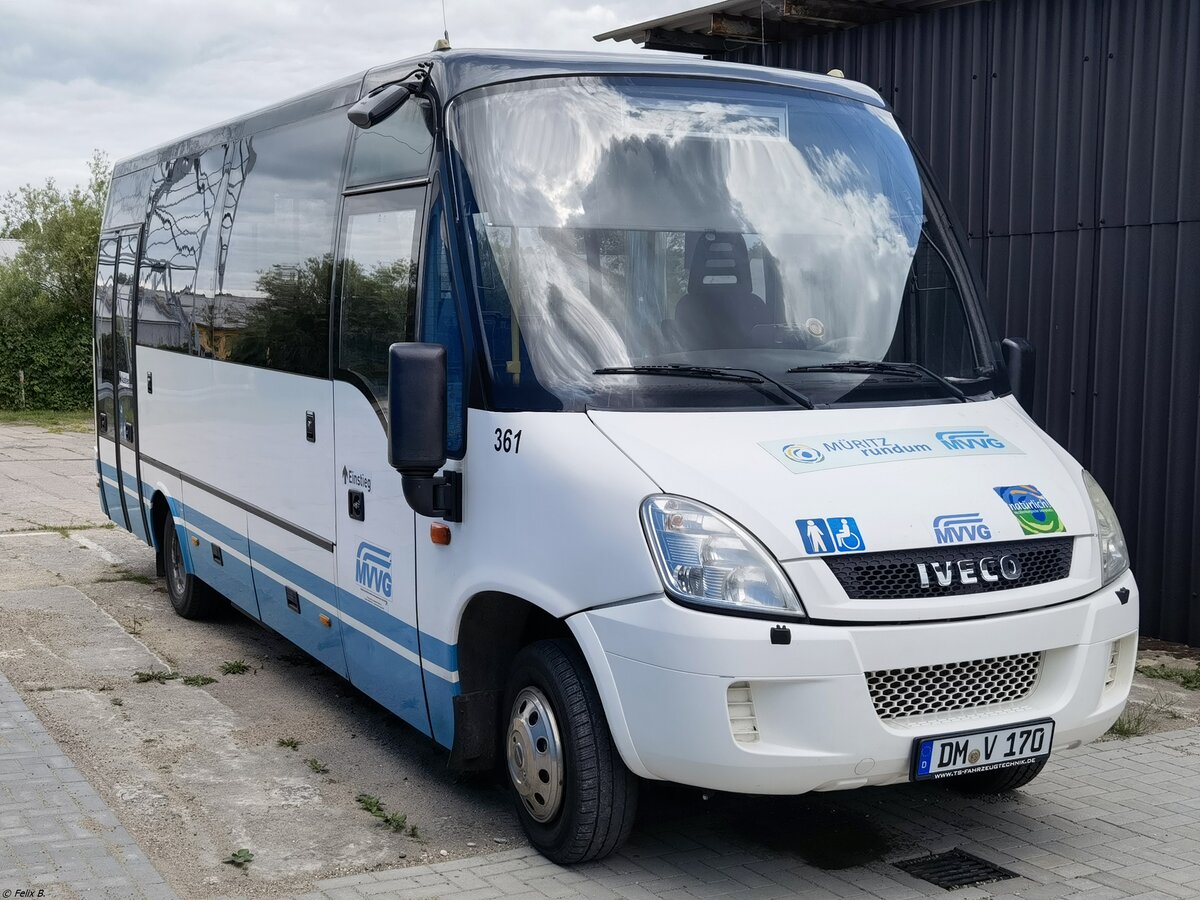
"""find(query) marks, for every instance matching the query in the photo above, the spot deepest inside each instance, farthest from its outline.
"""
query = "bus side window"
(397, 148)
(440, 325)
(378, 278)
(271, 307)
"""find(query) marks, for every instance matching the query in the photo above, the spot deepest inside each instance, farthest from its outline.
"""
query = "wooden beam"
(754, 30)
(836, 13)
(682, 41)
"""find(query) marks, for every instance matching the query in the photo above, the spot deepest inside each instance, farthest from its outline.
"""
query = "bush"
(46, 293)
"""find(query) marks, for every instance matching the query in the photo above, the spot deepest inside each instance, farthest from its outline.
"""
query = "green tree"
(46, 292)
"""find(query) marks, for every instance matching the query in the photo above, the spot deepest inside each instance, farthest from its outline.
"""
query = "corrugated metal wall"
(1066, 134)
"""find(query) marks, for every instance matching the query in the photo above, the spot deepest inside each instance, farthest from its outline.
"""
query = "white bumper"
(664, 671)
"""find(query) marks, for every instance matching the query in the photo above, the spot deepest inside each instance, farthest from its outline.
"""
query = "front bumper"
(664, 674)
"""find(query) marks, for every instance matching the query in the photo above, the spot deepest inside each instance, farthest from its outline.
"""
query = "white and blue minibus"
(607, 419)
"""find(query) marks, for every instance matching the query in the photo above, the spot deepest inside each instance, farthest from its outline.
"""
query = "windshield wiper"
(915, 370)
(743, 376)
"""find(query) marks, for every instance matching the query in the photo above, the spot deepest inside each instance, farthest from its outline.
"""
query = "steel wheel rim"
(534, 751)
(175, 568)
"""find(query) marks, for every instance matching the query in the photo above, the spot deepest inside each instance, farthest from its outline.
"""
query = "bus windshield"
(653, 242)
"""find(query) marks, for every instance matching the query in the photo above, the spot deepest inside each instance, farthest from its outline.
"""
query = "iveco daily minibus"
(607, 419)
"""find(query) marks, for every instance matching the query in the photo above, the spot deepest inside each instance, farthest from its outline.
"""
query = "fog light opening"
(742, 719)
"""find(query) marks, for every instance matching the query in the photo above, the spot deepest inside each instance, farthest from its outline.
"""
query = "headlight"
(1114, 555)
(708, 559)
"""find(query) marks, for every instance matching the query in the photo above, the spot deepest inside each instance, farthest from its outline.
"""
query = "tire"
(554, 725)
(1000, 781)
(190, 597)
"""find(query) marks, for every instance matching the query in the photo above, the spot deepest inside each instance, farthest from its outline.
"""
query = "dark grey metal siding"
(1066, 134)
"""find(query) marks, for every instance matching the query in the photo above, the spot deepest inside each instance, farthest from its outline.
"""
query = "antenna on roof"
(443, 43)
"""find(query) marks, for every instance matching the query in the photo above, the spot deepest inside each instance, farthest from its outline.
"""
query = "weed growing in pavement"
(1188, 678)
(1138, 717)
(117, 701)
(290, 743)
(125, 575)
(394, 821)
(240, 858)
(235, 667)
(159, 677)
(317, 766)
(134, 627)
(198, 680)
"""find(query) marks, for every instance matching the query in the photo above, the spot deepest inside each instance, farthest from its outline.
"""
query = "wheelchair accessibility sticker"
(838, 534)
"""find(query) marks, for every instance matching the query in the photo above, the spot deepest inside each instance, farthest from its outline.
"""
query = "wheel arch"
(493, 628)
(160, 508)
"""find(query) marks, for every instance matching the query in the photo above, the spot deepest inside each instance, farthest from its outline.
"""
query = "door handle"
(103, 423)
(310, 426)
(129, 432)
(149, 382)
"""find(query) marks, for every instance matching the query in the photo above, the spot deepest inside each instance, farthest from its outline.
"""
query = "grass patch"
(1188, 678)
(317, 766)
(391, 821)
(198, 680)
(124, 575)
(234, 667)
(1139, 717)
(240, 858)
(290, 743)
(158, 677)
(77, 421)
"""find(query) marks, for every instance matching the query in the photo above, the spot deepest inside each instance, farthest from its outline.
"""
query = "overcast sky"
(124, 75)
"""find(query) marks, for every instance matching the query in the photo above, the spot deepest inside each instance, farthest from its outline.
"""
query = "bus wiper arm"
(897, 368)
(744, 376)
(680, 372)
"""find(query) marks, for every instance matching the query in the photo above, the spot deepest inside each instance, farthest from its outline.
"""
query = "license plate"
(981, 751)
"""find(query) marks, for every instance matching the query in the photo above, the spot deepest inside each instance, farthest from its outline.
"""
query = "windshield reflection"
(641, 221)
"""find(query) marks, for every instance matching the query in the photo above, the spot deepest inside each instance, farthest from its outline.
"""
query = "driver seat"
(719, 309)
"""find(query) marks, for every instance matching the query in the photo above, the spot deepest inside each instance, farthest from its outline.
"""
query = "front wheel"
(999, 781)
(190, 597)
(573, 794)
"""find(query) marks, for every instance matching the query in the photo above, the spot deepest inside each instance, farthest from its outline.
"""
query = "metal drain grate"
(954, 869)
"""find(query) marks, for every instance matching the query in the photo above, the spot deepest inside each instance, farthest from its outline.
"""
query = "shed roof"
(717, 27)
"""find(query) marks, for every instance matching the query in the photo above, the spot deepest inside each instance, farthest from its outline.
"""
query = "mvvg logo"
(973, 439)
(954, 529)
(373, 570)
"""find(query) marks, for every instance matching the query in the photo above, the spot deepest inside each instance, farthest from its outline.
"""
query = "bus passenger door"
(116, 395)
(377, 301)
(124, 311)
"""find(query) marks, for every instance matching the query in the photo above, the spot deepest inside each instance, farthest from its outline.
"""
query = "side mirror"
(417, 429)
(378, 105)
(1021, 362)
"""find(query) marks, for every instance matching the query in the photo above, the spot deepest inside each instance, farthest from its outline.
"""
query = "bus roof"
(456, 71)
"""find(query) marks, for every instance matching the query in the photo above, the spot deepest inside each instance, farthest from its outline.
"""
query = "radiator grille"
(948, 687)
(893, 575)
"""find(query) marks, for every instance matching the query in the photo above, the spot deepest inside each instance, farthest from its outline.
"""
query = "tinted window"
(105, 376)
(378, 284)
(398, 147)
(126, 394)
(271, 307)
(127, 198)
(176, 275)
(439, 325)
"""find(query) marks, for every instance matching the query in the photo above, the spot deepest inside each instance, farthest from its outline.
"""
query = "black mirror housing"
(378, 105)
(417, 408)
(1021, 361)
(417, 429)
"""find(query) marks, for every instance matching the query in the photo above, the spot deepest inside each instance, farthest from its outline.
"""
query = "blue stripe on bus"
(398, 687)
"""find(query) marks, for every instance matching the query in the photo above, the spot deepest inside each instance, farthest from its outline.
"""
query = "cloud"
(125, 75)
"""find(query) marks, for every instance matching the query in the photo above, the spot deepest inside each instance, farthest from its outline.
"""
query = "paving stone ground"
(56, 834)
(1118, 819)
